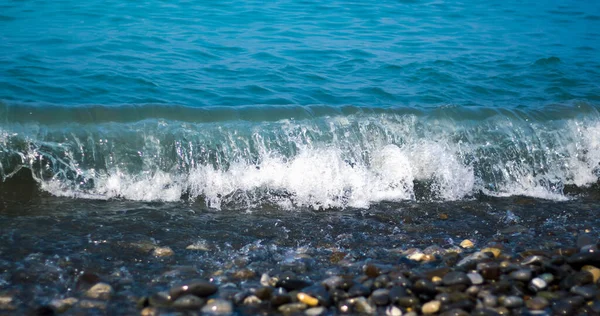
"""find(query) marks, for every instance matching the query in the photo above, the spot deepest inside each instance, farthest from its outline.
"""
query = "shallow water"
(47, 244)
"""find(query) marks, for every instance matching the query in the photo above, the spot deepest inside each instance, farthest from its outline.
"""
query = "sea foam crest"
(348, 161)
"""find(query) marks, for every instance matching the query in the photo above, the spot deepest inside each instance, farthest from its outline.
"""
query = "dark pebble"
(160, 299)
(280, 299)
(587, 291)
(188, 301)
(380, 297)
(194, 287)
(424, 286)
(484, 312)
(292, 284)
(537, 303)
(584, 240)
(358, 290)
(397, 292)
(264, 293)
(521, 275)
(44, 311)
(489, 270)
(456, 278)
(579, 260)
(338, 295)
(408, 301)
(512, 301)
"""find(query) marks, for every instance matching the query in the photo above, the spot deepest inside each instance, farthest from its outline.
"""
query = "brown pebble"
(244, 274)
(149, 311)
(443, 216)
(371, 271)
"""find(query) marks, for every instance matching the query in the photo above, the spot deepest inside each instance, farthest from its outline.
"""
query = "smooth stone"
(381, 281)
(307, 299)
(431, 307)
(149, 311)
(195, 287)
(380, 297)
(475, 278)
(358, 290)
(292, 284)
(537, 303)
(163, 252)
(562, 308)
(512, 301)
(371, 271)
(455, 278)
(251, 300)
(100, 291)
(467, 244)
(332, 282)
(535, 259)
(338, 295)
(393, 311)
(362, 306)
(315, 311)
(595, 272)
(7, 302)
(588, 292)
(521, 275)
(537, 284)
(489, 270)
(92, 304)
(423, 286)
(264, 293)
(291, 308)
(280, 299)
(265, 280)
(489, 300)
(160, 299)
(408, 301)
(495, 251)
(188, 301)
(318, 292)
(396, 292)
(217, 307)
(63, 305)
(578, 260)
(584, 240)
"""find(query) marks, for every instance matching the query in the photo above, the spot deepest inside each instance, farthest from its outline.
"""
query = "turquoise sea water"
(301, 102)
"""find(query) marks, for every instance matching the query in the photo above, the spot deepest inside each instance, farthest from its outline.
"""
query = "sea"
(276, 131)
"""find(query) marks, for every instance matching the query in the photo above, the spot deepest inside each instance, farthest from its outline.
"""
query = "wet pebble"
(292, 284)
(521, 275)
(195, 287)
(588, 292)
(393, 311)
(62, 305)
(380, 297)
(537, 303)
(362, 306)
(217, 307)
(307, 299)
(475, 278)
(537, 284)
(511, 301)
(188, 301)
(160, 299)
(455, 278)
(100, 291)
(292, 308)
(162, 252)
(431, 307)
(315, 311)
